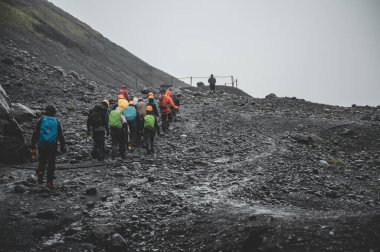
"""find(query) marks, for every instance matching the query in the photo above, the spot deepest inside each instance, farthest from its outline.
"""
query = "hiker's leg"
(114, 142)
(146, 139)
(43, 159)
(94, 146)
(132, 133)
(52, 153)
(99, 139)
(152, 140)
(122, 134)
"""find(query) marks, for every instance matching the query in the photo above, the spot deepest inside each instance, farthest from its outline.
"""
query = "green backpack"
(115, 119)
(149, 121)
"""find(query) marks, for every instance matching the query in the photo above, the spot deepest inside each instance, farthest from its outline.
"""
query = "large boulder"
(271, 96)
(23, 113)
(12, 143)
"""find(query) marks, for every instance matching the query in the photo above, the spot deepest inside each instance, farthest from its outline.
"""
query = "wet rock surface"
(234, 173)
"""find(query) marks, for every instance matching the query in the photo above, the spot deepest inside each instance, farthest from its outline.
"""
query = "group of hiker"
(131, 122)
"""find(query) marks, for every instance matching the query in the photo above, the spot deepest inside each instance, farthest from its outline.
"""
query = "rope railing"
(233, 83)
(138, 84)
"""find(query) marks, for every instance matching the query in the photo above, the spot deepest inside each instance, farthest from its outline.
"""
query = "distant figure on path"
(212, 82)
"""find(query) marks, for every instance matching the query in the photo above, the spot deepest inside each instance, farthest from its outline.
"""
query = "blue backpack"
(48, 130)
(130, 114)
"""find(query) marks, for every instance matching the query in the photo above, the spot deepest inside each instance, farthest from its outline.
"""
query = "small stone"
(314, 139)
(332, 194)
(323, 162)
(151, 179)
(19, 189)
(91, 204)
(118, 241)
(74, 74)
(91, 191)
(47, 214)
(136, 165)
(8, 61)
(32, 179)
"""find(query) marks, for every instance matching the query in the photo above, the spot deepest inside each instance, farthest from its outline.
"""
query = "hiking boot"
(50, 185)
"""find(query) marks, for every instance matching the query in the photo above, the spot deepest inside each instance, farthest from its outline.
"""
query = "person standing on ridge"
(46, 134)
(97, 123)
(124, 92)
(212, 82)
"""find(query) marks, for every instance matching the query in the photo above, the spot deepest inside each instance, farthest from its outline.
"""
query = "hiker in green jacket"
(118, 125)
(150, 128)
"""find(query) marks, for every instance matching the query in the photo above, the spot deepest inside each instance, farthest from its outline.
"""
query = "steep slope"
(60, 39)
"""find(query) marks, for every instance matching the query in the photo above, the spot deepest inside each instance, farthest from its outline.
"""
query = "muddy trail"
(235, 173)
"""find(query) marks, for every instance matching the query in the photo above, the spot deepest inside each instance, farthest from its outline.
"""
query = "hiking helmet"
(120, 96)
(168, 93)
(131, 103)
(149, 108)
(50, 110)
(106, 103)
(124, 87)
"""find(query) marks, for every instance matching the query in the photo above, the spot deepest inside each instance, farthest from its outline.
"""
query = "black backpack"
(97, 115)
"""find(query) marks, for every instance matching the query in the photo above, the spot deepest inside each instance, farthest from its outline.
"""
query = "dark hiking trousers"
(149, 139)
(165, 121)
(117, 140)
(139, 131)
(98, 147)
(132, 132)
(47, 153)
(212, 88)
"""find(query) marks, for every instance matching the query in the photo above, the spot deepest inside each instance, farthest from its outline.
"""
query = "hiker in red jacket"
(124, 92)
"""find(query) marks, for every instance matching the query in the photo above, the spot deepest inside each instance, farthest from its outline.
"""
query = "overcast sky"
(326, 51)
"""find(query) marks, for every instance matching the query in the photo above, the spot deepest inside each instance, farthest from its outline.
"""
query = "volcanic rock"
(12, 144)
(23, 113)
(47, 214)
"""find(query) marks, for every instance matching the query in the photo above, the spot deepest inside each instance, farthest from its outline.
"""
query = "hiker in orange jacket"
(166, 104)
(173, 107)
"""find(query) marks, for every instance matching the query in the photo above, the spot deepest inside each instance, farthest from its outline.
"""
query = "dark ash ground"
(235, 174)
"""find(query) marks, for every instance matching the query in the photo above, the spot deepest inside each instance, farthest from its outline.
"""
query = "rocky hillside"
(42, 29)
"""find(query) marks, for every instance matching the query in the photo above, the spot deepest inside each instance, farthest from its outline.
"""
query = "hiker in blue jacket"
(130, 114)
(46, 134)
(151, 101)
